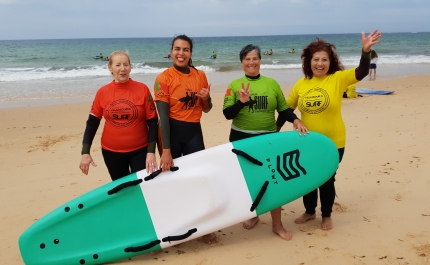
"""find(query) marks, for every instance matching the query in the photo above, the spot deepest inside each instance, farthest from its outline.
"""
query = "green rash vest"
(260, 116)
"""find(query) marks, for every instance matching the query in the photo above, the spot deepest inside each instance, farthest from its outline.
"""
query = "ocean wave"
(390, 59)
(28, 74)
(280, 66)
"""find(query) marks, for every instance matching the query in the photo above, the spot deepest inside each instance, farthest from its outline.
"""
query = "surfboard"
(209, 190)
(373, 91)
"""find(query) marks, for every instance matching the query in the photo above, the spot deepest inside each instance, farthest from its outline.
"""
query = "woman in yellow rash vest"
(318, 96)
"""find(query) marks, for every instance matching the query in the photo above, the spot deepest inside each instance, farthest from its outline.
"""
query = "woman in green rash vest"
(318, 96)
(251, 102)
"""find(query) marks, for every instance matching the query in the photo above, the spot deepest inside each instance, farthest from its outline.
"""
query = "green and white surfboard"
(211, 190)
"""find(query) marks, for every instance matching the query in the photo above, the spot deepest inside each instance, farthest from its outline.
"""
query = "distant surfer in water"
(213, 56)
(292, 51)
(168, 56)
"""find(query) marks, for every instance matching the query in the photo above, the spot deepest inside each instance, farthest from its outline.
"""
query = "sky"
(59, 19)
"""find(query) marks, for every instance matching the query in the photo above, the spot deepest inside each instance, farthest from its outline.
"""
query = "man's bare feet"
(327, 223)
(210, 238)
(304, 217)
(249, 224)
(280, 231)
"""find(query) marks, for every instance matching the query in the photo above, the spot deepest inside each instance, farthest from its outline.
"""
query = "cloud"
(7, 2)
(165, 18)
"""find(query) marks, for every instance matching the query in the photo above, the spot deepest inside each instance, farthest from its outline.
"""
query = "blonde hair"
(115, 53)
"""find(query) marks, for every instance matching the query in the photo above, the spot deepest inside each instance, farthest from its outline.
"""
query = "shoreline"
(52, 91)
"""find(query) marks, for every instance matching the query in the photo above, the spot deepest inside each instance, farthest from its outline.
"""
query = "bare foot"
(304, 217)
(280, 231)
(249, 224)
(327, 223)
(210, 238)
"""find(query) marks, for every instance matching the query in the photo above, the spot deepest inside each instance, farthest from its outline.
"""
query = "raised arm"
(367, 42)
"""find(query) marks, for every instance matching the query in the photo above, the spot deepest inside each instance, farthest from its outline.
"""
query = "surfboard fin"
(180, 237)
(157, 172)
(247, 157)
(124, 185)
(259, 196)
(143, 247)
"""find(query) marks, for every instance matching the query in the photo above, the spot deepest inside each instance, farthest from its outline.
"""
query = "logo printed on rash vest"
(121, 113)
(260, 103)
(189, 100)
(314, 101)
(160, 90)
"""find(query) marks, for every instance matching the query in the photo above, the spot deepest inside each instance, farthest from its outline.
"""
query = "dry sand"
(381, 214)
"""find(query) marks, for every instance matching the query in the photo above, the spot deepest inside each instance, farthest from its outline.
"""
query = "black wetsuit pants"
(237, 135)
(327, 195)
(185, 138)
(123, 164)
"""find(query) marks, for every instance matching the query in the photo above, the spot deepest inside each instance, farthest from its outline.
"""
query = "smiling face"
(181, 53)
(320, 63)
(119, 66)
(251, 63)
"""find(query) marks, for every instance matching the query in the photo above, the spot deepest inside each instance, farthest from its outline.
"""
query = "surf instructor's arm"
(166, 160)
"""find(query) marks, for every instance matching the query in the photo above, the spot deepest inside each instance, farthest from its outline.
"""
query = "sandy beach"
(381, 213)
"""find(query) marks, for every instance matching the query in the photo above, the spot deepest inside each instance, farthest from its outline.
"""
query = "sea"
(52, 71)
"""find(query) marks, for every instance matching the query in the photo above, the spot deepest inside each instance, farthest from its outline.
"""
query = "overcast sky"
(59, 19)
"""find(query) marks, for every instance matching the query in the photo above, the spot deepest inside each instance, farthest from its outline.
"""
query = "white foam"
(206, 68)
(390, 59)
(41, 73)
(280, 66)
